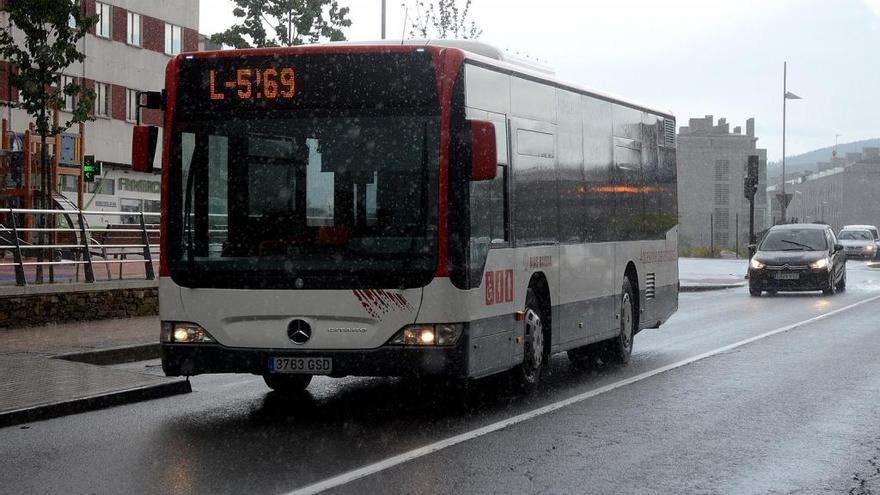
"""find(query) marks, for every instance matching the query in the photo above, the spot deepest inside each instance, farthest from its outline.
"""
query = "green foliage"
(284, 23)
(49, 47)
(443, 19)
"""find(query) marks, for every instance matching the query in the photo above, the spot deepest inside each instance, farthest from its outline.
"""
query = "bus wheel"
(527, 375)
(620, 347)
(287, 383)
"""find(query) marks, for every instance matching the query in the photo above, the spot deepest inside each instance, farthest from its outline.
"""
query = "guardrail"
(38, 243)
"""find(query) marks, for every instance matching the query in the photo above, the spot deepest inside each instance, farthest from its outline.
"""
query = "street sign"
(784, 199)
(90, 168)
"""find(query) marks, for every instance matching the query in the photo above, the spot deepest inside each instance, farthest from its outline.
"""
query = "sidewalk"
(702, 274)
(42, 378)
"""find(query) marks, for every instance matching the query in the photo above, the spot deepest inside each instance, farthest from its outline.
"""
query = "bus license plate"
(308, 366)
(787, 276)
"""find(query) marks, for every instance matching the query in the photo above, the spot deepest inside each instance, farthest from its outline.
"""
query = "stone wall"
(93, 303)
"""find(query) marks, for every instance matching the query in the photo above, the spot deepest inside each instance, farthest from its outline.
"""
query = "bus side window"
(488, 208)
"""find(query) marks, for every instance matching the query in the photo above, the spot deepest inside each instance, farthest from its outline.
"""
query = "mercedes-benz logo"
(299, 331)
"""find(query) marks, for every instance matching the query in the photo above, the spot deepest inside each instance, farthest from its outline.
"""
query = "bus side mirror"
(143, 147)
(484, 154)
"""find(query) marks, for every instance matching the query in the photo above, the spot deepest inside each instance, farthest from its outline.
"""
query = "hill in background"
(807, 161)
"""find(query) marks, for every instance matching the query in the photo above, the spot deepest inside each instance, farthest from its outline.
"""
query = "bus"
(419, 209)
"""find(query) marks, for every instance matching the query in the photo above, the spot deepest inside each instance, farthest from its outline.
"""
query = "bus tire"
(527, 374)
(620, 347)
(287, 384)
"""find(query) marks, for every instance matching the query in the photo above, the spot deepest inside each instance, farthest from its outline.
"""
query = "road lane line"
(390, 462)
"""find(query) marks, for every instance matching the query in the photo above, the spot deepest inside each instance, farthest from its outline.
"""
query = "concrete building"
(844, 191)
(712, 163)
(126, 52)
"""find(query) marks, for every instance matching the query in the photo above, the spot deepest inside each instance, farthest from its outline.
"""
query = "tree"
(51, 30)
(443, 19)
(284, 23)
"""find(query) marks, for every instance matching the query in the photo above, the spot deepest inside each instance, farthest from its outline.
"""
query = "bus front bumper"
(196, 359)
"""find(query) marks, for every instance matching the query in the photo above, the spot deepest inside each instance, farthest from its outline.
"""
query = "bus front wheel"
(527, 374)
(287, 384)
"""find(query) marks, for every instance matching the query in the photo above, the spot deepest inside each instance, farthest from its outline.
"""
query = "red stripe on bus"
(451, 61)
(171, 74)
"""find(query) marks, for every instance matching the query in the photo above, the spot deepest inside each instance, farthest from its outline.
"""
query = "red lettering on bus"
(499, 287)
(490, 289)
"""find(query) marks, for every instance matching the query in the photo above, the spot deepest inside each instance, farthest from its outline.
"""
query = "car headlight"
(819, 264)
(869, 248)
(443, 334)
(181, 332)
(757, 265)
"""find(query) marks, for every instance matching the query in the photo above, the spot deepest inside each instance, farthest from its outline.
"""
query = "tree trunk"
(43, 204)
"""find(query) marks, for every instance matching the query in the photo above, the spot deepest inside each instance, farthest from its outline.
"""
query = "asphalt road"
(701, 409)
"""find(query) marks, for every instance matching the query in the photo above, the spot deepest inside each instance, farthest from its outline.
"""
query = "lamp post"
(383, 19)
(786, 95)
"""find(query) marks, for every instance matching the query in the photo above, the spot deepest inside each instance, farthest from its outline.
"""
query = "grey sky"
(694, 57)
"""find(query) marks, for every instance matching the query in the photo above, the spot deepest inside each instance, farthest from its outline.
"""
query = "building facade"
(844, 191)
(126, 52)
(712, 159)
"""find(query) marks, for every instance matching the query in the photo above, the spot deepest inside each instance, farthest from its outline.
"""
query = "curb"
(94, 402)
(114, 355)
(708, 287)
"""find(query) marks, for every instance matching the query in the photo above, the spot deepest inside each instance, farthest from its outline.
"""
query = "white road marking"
(390, 462)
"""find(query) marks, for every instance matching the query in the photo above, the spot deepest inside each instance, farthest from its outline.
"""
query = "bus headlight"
(819, 264)
(757, 265)
(181, 332)
(441, 334)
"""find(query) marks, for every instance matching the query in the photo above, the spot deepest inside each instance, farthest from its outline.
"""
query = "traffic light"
(750, 183)
(90, 168)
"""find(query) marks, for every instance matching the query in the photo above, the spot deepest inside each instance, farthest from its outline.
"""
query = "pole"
(752, 240)
(736, 242)
(383, 19)
(711, 236)
(784, 91)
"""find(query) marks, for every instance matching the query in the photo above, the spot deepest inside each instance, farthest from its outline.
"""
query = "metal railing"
(39, 244)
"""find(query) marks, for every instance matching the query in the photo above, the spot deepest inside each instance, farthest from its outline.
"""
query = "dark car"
(798, 257)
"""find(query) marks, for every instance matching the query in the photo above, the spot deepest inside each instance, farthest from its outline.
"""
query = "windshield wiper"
(806, 247)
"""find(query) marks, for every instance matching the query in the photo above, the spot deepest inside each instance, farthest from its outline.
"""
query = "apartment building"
(127, 51)
(712, 163)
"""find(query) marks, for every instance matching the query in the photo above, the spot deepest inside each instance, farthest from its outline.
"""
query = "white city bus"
(418, 209)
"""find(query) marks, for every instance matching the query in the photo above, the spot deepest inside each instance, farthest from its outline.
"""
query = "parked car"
(858, 243)
(798, 257)
(875, 233)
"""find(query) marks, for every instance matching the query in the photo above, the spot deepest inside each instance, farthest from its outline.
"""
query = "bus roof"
(490, 55)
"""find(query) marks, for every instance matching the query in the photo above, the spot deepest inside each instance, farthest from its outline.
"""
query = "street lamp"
(786, 95)
(383, 19)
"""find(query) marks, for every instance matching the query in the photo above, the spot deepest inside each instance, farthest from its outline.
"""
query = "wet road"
(733, 395)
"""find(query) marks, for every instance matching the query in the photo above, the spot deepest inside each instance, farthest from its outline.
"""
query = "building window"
(131, 105)
(102, 99)
(722, 194)
(134, 29)
(102, 28)
(722, 170)
(172, 39)
(69, 100)
(68, 183)
(103, 186)
(721, 219)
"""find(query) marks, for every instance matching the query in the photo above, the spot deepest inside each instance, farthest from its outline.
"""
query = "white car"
(858, 243)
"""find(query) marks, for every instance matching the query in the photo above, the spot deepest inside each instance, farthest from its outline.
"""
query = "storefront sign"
(140, 185)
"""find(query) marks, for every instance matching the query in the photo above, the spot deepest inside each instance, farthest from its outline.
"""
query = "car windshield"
(795, 240)
(855, 235)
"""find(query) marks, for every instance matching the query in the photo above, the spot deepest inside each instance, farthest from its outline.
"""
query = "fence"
(62, 243)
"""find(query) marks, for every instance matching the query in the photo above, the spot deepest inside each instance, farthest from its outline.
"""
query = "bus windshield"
(340, 200)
